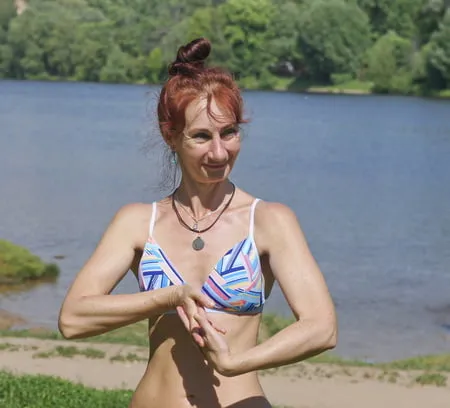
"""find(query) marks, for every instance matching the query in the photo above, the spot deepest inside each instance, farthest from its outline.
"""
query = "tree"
(389, 64)
(334, 35)
(439, 53)
(115, 69)
(7, 13)
(429, 18)
(155, 66)
(387, 15)
(284, 44)
(248, 31)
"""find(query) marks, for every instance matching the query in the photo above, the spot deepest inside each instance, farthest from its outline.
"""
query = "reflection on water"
(367, 177)
(23, 288)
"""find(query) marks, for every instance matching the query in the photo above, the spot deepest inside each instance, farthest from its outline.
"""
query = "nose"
(217, 152)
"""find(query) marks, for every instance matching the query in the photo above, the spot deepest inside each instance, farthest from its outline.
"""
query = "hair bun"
(190, 57)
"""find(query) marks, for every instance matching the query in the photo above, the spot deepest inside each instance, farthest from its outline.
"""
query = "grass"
(39, 391)
(130, 357)
(432, 379)
(71, 351)
(137, 335)
(352, 86)
(18, 265)
(431, 362)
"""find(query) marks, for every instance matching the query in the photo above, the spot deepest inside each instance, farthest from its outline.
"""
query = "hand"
(188, 304)
(215, 347)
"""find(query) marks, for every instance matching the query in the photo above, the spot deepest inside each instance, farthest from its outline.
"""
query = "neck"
(203, 198)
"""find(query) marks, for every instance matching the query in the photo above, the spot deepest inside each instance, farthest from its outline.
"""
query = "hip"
(156, 391)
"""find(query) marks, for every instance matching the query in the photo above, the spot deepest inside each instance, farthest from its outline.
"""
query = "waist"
(159, 388)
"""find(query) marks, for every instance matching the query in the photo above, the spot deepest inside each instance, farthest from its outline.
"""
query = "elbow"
(67, 328)
(69, 325)
(323, 334)
(328, 335)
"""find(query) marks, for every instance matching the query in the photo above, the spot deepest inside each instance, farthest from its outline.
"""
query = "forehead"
(198, 116)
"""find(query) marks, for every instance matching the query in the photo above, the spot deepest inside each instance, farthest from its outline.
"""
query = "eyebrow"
(197, 130)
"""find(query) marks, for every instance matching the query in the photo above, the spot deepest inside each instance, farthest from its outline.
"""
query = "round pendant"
(198, 244)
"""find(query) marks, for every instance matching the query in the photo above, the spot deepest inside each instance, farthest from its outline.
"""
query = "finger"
(202, 312)
(190, 309)
(198, 338)
(203, 323)
(219, 329)
(203, 300)
(183, 317)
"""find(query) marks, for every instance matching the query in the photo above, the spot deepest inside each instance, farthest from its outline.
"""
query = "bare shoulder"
(269, 216)
(275, 222)
(133, 212)
(133, 220)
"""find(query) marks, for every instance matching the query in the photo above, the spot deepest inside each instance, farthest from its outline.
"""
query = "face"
(209, 144)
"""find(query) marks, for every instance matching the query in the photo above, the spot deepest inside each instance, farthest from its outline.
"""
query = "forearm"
(296, 342)
(93, 315)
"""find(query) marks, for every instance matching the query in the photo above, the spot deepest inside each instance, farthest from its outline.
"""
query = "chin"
(215, 177)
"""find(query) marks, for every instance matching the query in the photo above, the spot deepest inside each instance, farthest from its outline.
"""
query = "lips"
(216, 166)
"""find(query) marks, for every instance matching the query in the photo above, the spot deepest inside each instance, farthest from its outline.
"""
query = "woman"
(204, 307)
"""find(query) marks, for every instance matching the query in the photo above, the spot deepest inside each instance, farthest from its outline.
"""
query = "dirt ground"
(302, 385)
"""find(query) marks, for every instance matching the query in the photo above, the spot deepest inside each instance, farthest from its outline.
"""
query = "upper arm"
(292, 263)
(113, 255)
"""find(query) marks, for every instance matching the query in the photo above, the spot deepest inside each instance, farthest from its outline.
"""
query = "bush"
(339, 79)
(390, 64)
(18, 265)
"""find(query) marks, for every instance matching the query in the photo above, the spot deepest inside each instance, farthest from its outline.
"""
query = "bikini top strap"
(152, 219)
(252, 217)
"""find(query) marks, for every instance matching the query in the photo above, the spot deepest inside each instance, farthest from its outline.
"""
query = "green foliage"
(7, 12)
(389, 64)
(432, 379)
(432, 362)
(18, 265)
(429, 17)
(115, 69)
(248, 30)
(439, 52)
(265, 43)
(41, 391)
(399, 15)
(334, 35)
(273, 323)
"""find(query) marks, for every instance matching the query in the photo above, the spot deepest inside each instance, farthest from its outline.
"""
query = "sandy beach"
(302, 385)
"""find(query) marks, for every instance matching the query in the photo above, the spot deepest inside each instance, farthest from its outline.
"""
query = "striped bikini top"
(236, 283)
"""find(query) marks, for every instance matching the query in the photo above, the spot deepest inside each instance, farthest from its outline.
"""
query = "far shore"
(354, 88)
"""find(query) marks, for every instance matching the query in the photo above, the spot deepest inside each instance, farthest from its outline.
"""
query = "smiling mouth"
(216, 166)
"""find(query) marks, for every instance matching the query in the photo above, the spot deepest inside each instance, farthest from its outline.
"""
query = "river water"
(368, 177)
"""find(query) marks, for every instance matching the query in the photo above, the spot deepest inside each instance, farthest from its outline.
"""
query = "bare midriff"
(179, 376)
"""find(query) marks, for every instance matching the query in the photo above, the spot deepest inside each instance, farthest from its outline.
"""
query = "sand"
(302, 385)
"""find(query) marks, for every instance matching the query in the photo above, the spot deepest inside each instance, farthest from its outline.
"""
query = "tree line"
(395, 46)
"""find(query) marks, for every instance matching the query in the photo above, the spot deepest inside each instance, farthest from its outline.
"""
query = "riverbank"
(117, 360)
(354, 87)
(309, 384)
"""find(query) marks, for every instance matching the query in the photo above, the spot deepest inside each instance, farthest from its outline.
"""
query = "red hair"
(189, 80)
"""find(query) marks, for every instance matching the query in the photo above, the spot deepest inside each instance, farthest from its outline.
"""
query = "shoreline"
(305, 384)
(307, 90)
(15, 326)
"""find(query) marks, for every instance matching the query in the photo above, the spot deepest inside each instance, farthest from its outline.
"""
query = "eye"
(201, 136)
(230, 132)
